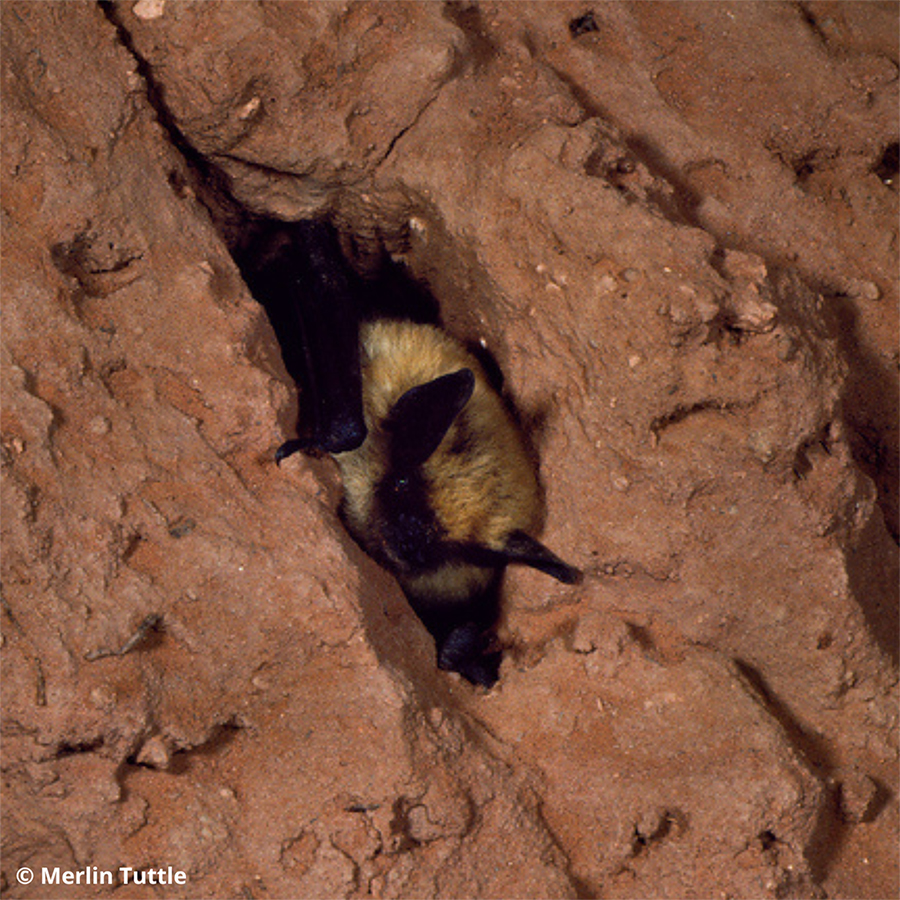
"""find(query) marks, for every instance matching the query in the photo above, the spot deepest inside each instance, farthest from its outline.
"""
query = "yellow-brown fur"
(479, 498)
(443, 491)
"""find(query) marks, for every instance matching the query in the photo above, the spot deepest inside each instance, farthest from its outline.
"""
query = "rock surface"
(675, 227)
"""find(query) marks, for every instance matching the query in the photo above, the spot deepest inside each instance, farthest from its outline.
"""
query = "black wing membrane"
(525, 550)
(522, 549)
(297, 272)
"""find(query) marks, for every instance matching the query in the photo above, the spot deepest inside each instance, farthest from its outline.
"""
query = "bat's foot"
(469, 651)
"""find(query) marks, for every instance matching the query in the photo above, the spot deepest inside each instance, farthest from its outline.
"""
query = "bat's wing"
(522, 549)
(297, 272)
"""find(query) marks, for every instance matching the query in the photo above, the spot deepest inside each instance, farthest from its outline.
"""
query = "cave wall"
(674, 226)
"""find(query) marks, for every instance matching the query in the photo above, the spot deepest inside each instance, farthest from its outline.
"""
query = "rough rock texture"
(675, 226)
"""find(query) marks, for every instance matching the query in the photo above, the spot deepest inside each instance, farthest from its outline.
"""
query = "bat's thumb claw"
(288, 448)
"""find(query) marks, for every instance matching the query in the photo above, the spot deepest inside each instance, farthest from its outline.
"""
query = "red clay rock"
(668, 225)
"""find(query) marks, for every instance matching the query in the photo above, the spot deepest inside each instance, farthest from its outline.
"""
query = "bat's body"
(439, 486)
(443, 491)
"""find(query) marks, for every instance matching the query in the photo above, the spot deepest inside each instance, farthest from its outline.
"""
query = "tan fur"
(449, 583)
(495, 493)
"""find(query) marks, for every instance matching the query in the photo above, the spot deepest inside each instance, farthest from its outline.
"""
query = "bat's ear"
(419, 420)
(527, 551)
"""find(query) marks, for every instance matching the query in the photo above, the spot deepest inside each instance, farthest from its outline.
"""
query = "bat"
(439, 486)
(443, 491)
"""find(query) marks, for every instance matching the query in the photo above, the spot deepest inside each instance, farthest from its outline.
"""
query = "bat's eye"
(400, 485)
(397, 488)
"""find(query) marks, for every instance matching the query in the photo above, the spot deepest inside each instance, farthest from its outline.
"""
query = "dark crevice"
(154, 90)
(391, 290)
(66, 748)
(888, 166)
(767, 839)
(400, 825)
(642, 637)
(583, 24)
(468, 18)
(681, 208)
